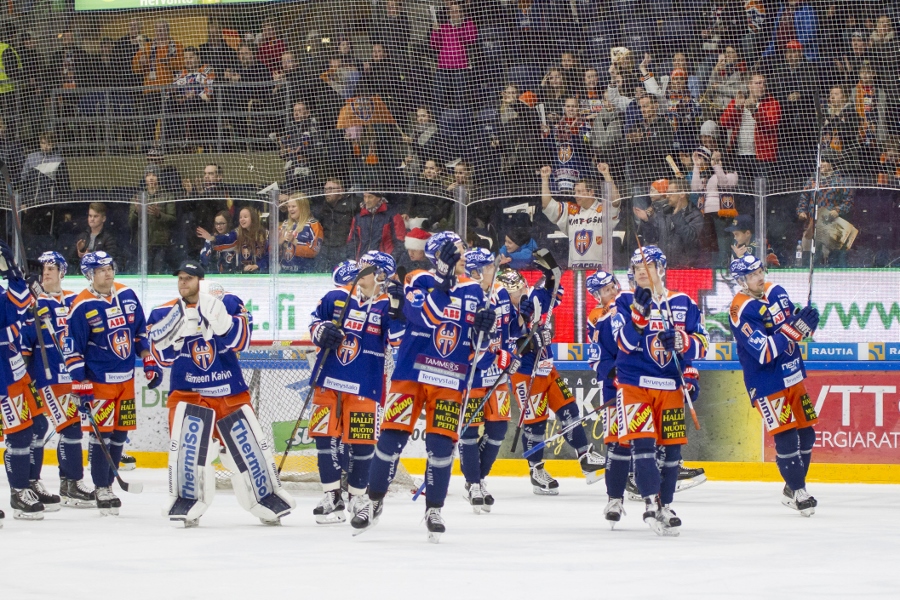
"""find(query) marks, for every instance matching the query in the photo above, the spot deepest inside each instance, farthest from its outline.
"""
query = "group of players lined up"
(461, 332)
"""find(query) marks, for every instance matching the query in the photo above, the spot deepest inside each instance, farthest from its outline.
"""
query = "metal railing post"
(760, 216)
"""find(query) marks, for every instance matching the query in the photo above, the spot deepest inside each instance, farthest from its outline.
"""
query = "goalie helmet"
(437, 241)
(382, 261)
(52, 257)
(345, 272)
(95, 260)
(477, 259)
(743, 266)
(600, 280)
(650, 254)
(512, 280)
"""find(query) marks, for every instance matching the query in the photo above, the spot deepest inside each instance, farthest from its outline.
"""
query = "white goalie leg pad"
(249, 457)
(192, 450)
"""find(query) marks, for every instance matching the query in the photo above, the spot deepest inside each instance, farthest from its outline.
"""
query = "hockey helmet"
(743, 266)
(600, 280)
(650, 254)
(52, 257)
(382, 261)
(95, 260)
(512, 280)
(345, 272)
(437, 241)
(477, 259)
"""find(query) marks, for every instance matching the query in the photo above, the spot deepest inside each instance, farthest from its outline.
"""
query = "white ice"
(737, 541)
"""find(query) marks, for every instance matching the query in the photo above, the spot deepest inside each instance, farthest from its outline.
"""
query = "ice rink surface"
(737, 541)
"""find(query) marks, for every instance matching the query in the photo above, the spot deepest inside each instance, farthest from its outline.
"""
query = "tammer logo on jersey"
(445, 339)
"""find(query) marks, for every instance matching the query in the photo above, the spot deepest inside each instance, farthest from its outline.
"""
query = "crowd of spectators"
(686, 105)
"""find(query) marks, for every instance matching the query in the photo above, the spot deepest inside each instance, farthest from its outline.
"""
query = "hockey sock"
(343, 452)
(329, 461)
(787, 457)
(489, 446)
(437, 470)
(384, 465)
(18, 458)
(39, 426)
(68, 451)
(359, 465)
(576, 438)
(618, 464)
(669, 473)
(807, 437)
(532, 435)
(116, 449)
(99, 466)
(646, 473)
(469, 455)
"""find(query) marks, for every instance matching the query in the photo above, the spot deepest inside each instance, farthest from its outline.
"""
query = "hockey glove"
(807, 321)
(692, 382)
(674, 340)
(508, 359)
(560, 292)
(34, 284)
(484, 320)
(445, 269)
(8, 267)
(526, 309)
(640, 307)
(152, 372)
(214, 316)
(395, 291)
(328, 336)
(83, 393)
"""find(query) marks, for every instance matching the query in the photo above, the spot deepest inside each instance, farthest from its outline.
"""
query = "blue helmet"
(95, 260)
(383, 261)
(743, 266)
(477, 259)
(54, 258)
(345, 272)
(437, 241)
(600, 280)
(652, 254)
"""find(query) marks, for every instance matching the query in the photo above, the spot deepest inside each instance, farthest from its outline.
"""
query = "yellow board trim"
(715, 471)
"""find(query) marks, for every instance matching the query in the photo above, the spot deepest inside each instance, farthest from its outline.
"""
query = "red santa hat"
(416, 238)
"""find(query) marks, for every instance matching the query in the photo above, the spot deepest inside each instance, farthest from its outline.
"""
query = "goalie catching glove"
(214, 317)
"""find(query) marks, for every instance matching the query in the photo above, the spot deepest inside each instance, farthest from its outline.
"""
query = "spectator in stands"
(345, 53)
(12, 155)
(414, 258)
(209, 197)
(681, 110)
(429, 183)
(428, 207)
(160, 222)
(716, 204)
(450, 39)
(569, 147)
(590, 96)
(758, 16)
(694, 86)
(572, 75)
(337, 84)
(72, 64)
(649, 142)
(871, 102)
(381, 76)
(193, 95)
(224, 256)
(516, 133)
(245, 91)
(376, 227)
(45, 174)
(885, 52)
(124, 50)
(34, 80)
(530, 21)
(796, 20)
(168, 176)
(270, 47)
(834, 199)
(553, 95)
(334, 211)
(421, 141)
(849, 64)
(518, 249)
(753, 123)
(215, 52)
(674, 224)
(607, 136)
(96, 237)
(464, 191)
(301, 149)
(157, 62)
(722, 24)
(299, 237)
(841, 130)
(729, 76)
(250, 241)
(391, 29)
(745, 243)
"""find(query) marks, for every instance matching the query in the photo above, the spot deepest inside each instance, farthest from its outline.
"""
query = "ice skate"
(434, 522)
(488, 499)
(631, 489)
(127, 463)
(354, 503)
(689, 478)
(25, 505)
(799, 500)
(541, 482)
(330, 510)
(50, 501)
(367, 516)
(613, 512)
(75, 494)
(107, 502)
(475, 497)
(593, 464)
(659, 517)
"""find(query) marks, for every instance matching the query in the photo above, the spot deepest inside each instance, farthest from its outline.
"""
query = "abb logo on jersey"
(116, 322)
(353, 325)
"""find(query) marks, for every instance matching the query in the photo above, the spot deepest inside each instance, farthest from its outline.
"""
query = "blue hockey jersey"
(57, 313)
(542, 297)
(502, 338)
(642, 361)
(771, 361)
(603, 349)
(13, 306)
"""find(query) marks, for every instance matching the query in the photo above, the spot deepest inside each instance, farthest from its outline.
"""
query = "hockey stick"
(666, 326)
(567, 429)
(315, 377)
(815, 210)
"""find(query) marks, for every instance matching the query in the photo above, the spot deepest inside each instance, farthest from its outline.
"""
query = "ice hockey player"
(548, 391)
(444, 313)
(55, 391)
(478, 453)
(17, 403)
(767, 329)
(107, 329)
(197, 336)
(657, 331)
(348, 392)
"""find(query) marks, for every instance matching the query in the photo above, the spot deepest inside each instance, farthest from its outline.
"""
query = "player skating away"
(197, 336)
(478, 453)
(656, 331)
(548, 391)
(767, 329)
(107, 329)
(344, 417)
(55, 391)
(444, 315)
(17, 403)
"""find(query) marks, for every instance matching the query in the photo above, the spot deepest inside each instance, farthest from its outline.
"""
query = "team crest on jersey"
(120, 343)
(363, 108)
(287, 252)
(349, 350)
(446, 337)
(658, 353)
(203, 353)
(583, 240)
(564, 153)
